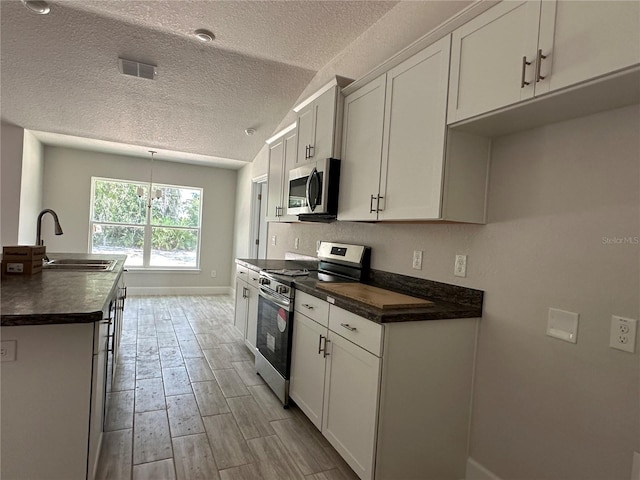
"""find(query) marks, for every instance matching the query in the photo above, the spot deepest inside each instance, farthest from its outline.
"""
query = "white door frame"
(256, 219)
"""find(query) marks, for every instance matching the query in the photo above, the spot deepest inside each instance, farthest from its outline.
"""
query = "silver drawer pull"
(348, 327)
(307, 306)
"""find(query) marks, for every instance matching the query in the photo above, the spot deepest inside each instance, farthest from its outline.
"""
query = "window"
(165, 235)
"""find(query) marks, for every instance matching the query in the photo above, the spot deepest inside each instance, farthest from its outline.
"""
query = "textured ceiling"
(59, 72)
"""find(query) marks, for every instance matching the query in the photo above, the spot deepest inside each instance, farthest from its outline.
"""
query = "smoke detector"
(204, 35)
(137, 69)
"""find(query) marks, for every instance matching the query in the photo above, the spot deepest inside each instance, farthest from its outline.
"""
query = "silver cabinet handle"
(311, 148)
(348, 327)
(325, 352)
(307, 306)
(320, 337)
(371, 210)
(539, 65)
(523, 83)
(378, 209)
(244, 292)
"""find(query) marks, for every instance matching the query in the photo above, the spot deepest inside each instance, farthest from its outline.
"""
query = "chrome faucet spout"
(58, 228)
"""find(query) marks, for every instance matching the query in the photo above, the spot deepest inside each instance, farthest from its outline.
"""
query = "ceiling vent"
(137, 69)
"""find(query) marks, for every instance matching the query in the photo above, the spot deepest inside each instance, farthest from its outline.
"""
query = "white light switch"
(274, 240)
(563, 325)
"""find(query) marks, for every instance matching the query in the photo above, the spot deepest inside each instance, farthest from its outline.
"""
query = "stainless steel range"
(276, 305)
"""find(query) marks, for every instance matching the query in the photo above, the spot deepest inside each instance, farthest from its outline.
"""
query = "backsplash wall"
(563, 229)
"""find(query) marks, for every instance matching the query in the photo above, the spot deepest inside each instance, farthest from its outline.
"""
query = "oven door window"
(274, 335)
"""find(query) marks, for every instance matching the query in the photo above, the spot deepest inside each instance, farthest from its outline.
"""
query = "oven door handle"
(286, 304)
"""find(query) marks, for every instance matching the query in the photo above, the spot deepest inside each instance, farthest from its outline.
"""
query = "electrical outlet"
(274, 239)
(214, 274)
(296, 243)
(417, 259)
(623, 333)
(318, 245)
(8, 350)
(460, 269)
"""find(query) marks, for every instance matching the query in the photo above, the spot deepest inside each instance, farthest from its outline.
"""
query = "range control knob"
(281, 289)
(265, 281)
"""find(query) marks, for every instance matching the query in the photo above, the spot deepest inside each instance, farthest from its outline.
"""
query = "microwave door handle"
(311, 204)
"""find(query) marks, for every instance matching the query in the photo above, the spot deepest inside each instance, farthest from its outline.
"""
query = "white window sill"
(193, 271)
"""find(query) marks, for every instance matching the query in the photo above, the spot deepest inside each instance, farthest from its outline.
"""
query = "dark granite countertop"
(449, 301)
(59, 296)
(258, 264)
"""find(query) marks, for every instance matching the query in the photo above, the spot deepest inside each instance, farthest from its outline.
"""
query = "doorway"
(258, 230)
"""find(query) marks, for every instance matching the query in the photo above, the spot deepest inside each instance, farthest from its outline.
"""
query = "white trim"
(281, 133)
(442, 30)
(476, 471)
(137, 270)
(337, 81)
(140, 291)
(260, 179)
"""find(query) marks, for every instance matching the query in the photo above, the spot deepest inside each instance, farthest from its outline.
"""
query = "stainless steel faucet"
(58, 228)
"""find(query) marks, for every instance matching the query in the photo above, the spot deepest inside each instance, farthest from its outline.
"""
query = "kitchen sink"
(80, 264)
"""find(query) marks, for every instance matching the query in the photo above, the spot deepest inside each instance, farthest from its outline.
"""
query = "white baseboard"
(140, 291)
(476, 471)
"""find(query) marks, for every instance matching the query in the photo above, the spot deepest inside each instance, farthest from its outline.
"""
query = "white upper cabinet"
(493, 59)
(361, 152)
(414, 139)
(583, 40)
(397, 163)
(282, 158)
(319, 123)
(521, 49)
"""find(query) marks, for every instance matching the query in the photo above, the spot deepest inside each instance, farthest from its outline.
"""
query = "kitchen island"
(63, 326)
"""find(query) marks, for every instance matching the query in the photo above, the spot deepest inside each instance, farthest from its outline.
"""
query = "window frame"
(147, 225)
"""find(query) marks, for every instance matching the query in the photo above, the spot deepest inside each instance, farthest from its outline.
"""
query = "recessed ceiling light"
(250, 131)
(37, 6)
(204, 35)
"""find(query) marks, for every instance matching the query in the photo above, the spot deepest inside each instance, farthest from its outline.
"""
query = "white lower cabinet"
(308, 367)
(351, 403)
(392, 399)
(246, 305)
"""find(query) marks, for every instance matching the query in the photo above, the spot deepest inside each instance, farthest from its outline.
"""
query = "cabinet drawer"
(242, 272)
(312, 307)
(359, 330)
(253, 278)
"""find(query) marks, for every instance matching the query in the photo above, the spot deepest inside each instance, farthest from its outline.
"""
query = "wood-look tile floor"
(187, 404)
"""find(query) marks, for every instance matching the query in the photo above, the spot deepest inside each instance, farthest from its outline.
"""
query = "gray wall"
(67, 189)
(31, 188)
(11, 138)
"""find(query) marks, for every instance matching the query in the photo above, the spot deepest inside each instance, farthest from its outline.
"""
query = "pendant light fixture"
(157, 194)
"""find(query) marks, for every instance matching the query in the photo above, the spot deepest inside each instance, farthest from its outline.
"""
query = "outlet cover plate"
(623, 333)
(417, 259)
(460, 268)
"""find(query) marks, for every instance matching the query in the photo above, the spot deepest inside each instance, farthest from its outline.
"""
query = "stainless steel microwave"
(312, 189)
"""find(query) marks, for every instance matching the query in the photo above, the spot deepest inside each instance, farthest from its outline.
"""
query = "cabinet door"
(488, 59)
(305, 130)
(414, 138)
(98, 386)
(308, 367)
(252, 317)
(289, 162)
(583, 40)
(361, 152)
(240, 318)
(324, 125)
(351, 403)
(275, 181)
